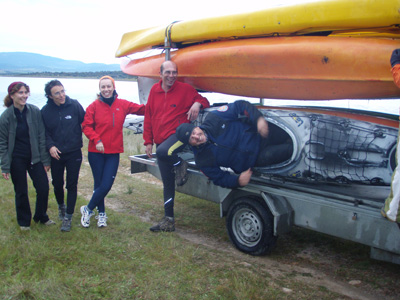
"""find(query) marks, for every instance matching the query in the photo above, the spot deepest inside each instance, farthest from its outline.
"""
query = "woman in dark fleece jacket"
(62, 118)
(22, 150)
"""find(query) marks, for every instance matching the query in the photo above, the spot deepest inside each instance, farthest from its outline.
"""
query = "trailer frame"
(289, 204)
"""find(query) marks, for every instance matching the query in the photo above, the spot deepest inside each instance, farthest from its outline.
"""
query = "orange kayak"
(301, 68)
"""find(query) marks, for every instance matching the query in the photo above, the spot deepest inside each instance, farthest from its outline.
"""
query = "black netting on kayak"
(343, 151)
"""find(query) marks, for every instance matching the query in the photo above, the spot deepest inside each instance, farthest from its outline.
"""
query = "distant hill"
(25, 62)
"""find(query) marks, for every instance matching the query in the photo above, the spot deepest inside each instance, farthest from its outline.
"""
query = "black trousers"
(71, 162)
(19, 168)
(167, 158)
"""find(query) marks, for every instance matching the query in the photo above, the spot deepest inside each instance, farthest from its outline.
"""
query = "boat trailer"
(266, 208)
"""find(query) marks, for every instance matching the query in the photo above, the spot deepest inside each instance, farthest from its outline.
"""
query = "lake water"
(85, 90)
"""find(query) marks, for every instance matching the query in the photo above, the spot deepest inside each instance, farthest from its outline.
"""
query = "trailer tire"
(250, 226)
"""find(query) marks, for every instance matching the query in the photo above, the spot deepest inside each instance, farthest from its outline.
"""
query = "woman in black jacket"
(62, 118)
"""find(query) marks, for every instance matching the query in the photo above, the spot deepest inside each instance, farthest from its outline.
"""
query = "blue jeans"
(104, 169)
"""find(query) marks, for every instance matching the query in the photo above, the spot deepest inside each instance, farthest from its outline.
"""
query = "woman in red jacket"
(102, 125)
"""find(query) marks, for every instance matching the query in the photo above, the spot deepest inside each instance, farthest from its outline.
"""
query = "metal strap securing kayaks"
(168, 41)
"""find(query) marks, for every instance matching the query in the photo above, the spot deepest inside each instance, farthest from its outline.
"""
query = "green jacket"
(8, 128)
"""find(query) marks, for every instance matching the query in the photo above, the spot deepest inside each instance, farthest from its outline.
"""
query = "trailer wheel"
(250, 227)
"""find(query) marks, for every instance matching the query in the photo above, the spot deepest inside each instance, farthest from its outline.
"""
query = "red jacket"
(165, 111)
(104, 122)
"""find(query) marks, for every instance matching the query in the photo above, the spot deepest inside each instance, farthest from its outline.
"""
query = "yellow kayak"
(377, 18)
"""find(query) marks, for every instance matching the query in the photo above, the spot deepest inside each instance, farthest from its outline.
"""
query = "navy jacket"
(63, 125)
(233, 142)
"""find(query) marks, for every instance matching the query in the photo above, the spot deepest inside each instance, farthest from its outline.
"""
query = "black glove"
(395, 59)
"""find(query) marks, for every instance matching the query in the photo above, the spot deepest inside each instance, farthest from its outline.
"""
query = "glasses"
(170, 73)
(59, 93)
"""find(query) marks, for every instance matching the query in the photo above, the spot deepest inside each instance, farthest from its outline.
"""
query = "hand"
(194, 111)
(100, 147)
(262, 127)
(47, 168)
(149, 150)
(6, 175)
(55, 153)
(244, 177)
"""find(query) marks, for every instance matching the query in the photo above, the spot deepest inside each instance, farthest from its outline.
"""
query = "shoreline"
(118, 76)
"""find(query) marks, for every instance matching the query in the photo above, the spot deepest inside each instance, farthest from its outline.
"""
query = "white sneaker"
(49, 223)
(101, 220)
(86, 215)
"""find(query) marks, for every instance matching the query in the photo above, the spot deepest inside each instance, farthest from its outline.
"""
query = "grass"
(127, 261)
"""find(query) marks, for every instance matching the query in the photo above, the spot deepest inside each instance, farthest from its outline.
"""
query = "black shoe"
(166, 224)
(181, 174)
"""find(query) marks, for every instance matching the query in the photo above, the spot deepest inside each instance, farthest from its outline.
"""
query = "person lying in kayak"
(238, 137)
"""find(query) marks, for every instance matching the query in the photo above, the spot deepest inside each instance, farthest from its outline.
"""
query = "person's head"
(54, 90)
(18, 93)
(168, 74)
(107, 86)
(189, 134)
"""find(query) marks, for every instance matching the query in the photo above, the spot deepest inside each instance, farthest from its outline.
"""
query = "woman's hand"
(55, 153)
(100, 147)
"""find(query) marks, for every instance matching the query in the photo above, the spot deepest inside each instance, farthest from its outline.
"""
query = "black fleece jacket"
(63, 125)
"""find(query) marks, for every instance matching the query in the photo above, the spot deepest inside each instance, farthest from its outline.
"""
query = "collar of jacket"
(67, 102)
(159, 88)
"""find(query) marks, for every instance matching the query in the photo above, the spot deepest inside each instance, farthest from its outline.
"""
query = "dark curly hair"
(49, 86)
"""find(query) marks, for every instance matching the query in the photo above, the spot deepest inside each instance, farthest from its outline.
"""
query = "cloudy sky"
(90, 30)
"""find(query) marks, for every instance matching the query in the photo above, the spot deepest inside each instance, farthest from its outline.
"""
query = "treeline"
(117, 75)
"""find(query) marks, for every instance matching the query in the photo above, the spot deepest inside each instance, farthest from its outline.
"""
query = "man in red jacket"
(170, 104)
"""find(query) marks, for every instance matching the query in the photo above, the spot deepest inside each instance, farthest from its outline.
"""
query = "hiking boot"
(61, 211)
(101, 220)
(181, 174)
(166, 224)
(49, 223)
(86, 215)
(66, 225)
